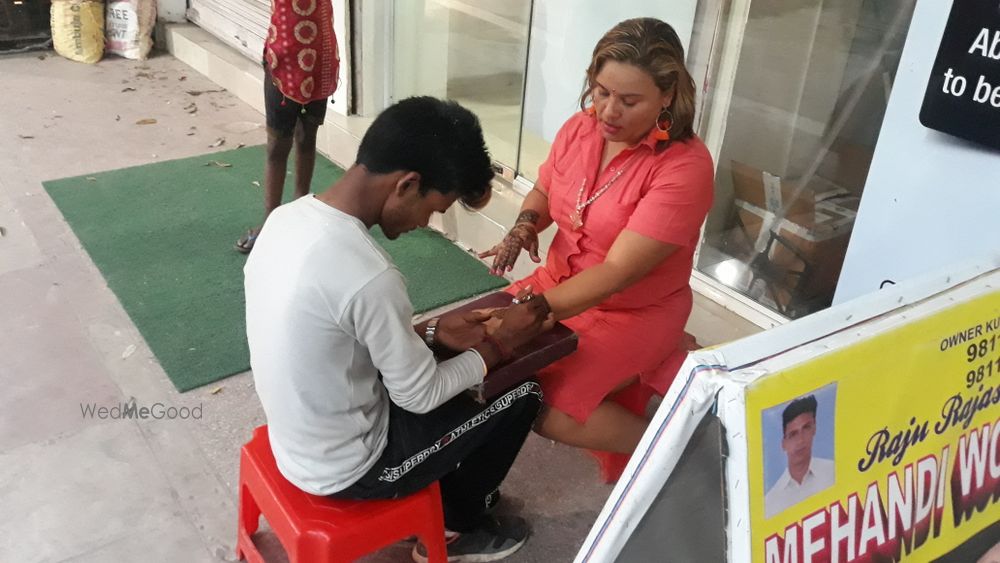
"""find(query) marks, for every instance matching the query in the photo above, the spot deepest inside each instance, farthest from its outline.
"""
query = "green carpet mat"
(162, 234)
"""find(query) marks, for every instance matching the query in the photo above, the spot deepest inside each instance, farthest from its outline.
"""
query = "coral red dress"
(662, 195)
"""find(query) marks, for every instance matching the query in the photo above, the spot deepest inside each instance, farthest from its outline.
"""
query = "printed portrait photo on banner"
(798, 448)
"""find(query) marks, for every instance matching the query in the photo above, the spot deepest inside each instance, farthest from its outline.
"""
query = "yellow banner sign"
(885, 450)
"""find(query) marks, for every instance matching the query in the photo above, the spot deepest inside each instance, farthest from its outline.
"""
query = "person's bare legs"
(305, 156)
(611, 428)
(275, 169)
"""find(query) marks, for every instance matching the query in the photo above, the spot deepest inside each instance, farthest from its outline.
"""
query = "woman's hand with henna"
(522, 236)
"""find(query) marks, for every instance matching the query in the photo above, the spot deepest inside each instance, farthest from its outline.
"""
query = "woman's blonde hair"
(653, 46)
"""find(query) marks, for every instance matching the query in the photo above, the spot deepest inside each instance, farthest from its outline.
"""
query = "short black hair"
(802, 405)
(440, 140)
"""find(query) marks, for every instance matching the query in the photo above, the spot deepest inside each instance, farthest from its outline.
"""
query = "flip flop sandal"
(245, 244)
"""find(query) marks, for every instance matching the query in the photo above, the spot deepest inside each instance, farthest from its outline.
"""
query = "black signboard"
(963, 93)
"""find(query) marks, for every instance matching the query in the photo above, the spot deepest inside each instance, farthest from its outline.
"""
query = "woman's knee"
(554, 424)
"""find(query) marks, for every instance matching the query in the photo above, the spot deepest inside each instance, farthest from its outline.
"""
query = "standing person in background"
(301, 64)
(628, 185)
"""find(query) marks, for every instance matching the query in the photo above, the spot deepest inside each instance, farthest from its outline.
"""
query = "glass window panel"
(811, 87)
(471, 51)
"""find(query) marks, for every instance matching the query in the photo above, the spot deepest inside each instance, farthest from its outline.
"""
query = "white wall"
(340, 29)
(931, 200)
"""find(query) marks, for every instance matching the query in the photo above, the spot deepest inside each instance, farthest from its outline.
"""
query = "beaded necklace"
(576, 216)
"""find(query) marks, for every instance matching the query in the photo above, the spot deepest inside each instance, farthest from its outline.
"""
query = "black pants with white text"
(467, 446)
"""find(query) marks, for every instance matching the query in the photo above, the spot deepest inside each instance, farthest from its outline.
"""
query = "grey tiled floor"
(78, 489)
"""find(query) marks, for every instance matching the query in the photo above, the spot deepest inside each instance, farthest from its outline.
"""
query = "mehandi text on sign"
(898, 515)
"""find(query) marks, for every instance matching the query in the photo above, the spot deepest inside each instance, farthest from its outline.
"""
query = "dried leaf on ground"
(3, 232)
(147, 121)
(182, 79)
(256, 183)
(191, 108)
(91, 179)
(26, 136)
(128, 89)
(218, 164)
(241, 145)
(118, 117)
(216, 390)
(128, 351)
(218, 143)
(200, 92)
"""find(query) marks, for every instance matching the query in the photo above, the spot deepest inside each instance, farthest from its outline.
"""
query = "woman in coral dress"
(627, 185)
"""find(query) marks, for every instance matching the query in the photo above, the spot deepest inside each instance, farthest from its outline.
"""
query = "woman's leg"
(611, 427)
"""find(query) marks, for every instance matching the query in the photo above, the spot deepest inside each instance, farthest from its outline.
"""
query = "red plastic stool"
(315, 529)
(635, 398)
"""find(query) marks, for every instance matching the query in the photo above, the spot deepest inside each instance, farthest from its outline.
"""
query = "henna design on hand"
(528, 216)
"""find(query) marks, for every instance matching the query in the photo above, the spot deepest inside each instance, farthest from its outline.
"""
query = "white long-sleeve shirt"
(327, 313)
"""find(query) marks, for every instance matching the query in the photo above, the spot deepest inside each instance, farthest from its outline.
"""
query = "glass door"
(472, 51)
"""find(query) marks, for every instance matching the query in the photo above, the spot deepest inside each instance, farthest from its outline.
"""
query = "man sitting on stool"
(357, 406)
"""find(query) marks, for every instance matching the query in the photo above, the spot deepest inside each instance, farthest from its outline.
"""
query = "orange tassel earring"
(663, 125)
(590, 110)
